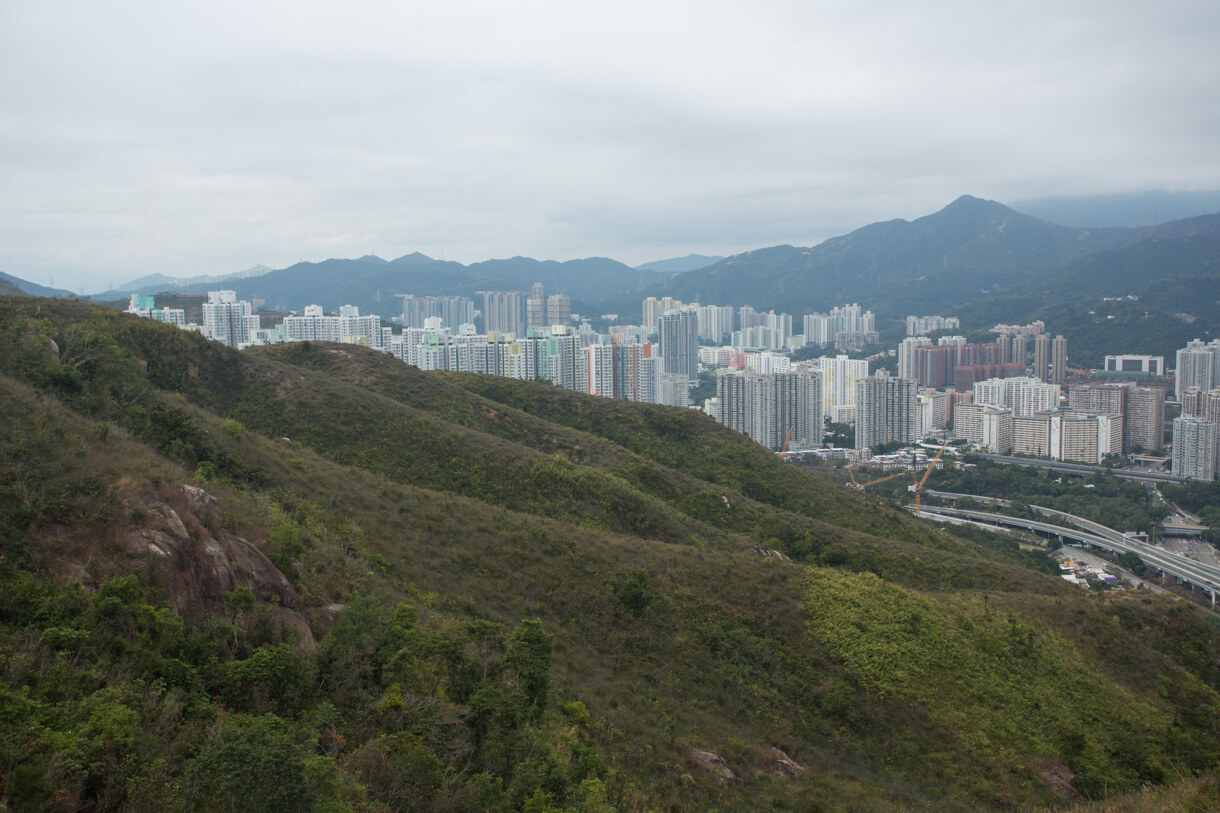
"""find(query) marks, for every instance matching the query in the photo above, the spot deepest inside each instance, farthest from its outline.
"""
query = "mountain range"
(975, 258)
(970, 250)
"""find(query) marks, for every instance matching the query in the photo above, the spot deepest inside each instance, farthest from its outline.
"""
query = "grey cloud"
(204, 138)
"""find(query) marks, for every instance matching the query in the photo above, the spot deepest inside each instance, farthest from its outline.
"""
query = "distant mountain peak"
(680, 264)
(413, 257)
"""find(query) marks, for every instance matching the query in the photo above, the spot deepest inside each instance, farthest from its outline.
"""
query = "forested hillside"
(310, 577)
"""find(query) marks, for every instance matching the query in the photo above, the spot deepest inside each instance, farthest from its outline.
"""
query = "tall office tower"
(887, 411)
(1196, 367)
(1194, 448)
(1042, 357)
(715, 323)
(229, 321)
(906, 354)
(1144, 418)
(504, 312)
(839, 377)
(1059, 358)
(535, 308)
(558, 309)
(679, 340)
(1018, 353)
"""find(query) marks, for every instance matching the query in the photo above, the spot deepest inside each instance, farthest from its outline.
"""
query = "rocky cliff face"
(189, 555)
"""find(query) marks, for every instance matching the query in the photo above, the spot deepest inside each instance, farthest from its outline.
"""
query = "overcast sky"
(202, 138)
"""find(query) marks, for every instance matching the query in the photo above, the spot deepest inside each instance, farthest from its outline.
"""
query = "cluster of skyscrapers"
(985, 390)
(1196, 433)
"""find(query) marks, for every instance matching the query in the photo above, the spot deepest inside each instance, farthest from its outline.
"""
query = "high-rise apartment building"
(654, 308)
(839, 377)
(920, 325)
(1059, 356)
(1144, 419)
(986, 425)
(1018, 350)
(887, 411)
(937, 366)
(228, 320)
(769, 406)
(1084, 437)
(906, 354)
(1194, 448)
(678, 333)
(1042, 357)
(1031, 435)
(558, 309)
(453, 311)
(535, 308)
(1198, 365)
(715, 323)
(933, 411)
(846, 326)
(504, 312)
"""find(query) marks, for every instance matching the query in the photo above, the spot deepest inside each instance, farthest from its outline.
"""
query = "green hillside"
(1151, 297)
(411, 591)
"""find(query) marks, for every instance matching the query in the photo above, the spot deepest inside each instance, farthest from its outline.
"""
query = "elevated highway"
(1084, 468)
(1198, 576)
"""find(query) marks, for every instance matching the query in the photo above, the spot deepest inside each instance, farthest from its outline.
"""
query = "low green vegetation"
(1202, 499)
(513, 597)
(1119, 504)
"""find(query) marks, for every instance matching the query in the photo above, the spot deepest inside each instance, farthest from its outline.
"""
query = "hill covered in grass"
(309, 576)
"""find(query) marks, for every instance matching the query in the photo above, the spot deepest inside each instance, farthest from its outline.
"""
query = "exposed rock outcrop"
(779, 765)
(196, 566)
(715, 764)
(1059, 780)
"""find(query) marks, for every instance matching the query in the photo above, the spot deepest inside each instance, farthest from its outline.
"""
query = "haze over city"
(206, 138)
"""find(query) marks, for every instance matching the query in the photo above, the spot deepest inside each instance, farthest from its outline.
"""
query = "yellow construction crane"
(924, 479)
(787, 440)
(863, 486)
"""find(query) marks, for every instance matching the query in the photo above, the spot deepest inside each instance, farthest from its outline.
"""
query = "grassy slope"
(719, 648)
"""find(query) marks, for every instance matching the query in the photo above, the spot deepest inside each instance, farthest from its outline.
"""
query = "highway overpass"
(1083, 468)
(1204, 578)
